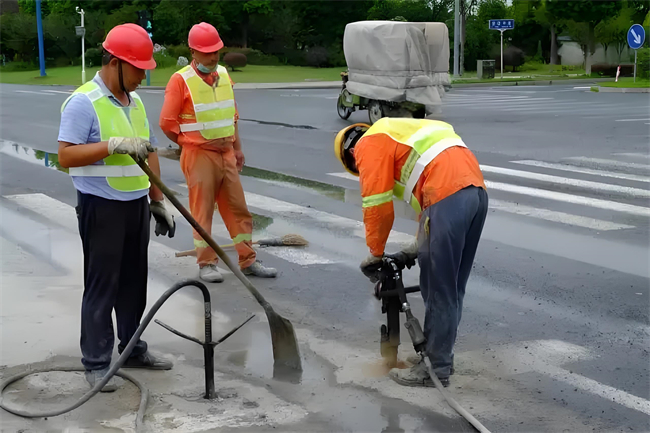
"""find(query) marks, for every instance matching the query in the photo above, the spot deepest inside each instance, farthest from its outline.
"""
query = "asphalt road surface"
(555, 333)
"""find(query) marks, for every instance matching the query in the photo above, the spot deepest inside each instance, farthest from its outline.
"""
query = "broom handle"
(177, 204)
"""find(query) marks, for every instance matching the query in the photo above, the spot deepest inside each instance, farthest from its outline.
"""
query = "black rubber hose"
(139, 423)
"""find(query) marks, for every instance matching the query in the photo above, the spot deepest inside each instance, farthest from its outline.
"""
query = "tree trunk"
(463, 22)
(553, 45)
(590, 49)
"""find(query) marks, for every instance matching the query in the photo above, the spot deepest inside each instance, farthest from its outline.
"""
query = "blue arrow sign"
(502, 24)
(636, 36)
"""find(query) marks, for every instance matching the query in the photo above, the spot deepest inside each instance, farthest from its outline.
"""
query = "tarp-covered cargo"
(397, 61)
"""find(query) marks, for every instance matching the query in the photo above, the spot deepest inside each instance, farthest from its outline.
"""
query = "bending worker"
(199, 114)
(426, 164)
(103, 127)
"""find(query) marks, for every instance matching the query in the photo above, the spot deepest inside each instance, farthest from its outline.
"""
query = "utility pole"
(456, 38)
(81, 31)
(39, 28)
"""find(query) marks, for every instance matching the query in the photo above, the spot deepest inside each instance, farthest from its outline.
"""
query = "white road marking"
(597, 186)
(554, 216)
(32, 92)
(299, 257)
(582, 87)
(634, 155)
(576, 169)
(500, 102)
(609, 162)
(569, 198)
(67, 92)
(344, 175)
(632, 120)
(289, 209)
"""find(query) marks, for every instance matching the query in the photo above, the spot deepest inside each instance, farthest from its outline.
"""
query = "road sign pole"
(502, 54)
(39, 29)
(456, 38)
(83, 50)
(635, 51)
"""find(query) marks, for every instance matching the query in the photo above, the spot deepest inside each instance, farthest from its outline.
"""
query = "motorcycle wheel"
(343, 111)
(375, 111)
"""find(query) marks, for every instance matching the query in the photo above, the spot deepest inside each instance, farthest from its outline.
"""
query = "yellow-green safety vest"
(121, 171)
(427, 139)
(214, 106)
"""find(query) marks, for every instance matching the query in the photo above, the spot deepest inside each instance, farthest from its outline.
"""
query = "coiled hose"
(144, 393)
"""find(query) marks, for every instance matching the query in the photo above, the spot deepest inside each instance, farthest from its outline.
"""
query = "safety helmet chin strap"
(121, 77)
(348, 147)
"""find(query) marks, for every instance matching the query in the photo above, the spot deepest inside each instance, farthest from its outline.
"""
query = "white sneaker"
(210, 274)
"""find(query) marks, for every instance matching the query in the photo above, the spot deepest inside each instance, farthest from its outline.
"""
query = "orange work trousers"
(211, 177)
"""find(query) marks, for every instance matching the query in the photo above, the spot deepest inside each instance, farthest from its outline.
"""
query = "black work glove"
(403, 258)
(370, 267)
(165, 224)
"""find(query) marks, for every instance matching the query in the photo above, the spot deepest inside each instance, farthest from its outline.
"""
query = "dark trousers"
(115, 238)
(446, 255)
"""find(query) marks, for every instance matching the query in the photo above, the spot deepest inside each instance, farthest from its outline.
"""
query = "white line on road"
(576, 169)
(570, 198)
(609, 162)
(597, 186)
(552, 107)
(500, 102)
(582, 87)
(345, 175)
(632, 120)
(634, 155)
(32, 92)
(554, 216)
(68, 92)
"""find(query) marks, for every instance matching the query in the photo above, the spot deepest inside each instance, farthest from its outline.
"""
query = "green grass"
(250, 74)
(626, 82)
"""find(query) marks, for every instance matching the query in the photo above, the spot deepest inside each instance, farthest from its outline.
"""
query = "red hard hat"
(131, 43)
(204, 38)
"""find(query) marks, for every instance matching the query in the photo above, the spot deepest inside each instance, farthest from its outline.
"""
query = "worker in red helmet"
(199, 114)
(103, 128)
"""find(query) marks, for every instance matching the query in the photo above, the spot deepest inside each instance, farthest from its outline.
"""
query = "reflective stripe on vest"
(121, 171)
(427, 139)
(214, 106)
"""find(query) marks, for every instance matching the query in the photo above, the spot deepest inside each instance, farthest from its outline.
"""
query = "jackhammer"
(390, 290)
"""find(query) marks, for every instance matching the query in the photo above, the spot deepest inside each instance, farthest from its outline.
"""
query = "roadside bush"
(512, 56)
(19, 66)
(643, 63)
(607, 70)
(93, 57)
(177, 51)
(253, 57)
(316, 57)
(234, 60)
(163, 60)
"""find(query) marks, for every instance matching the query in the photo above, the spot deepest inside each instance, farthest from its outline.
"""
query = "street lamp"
(81, 31)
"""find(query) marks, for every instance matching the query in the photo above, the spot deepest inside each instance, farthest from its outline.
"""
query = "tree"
(614, 30)
(545, 18)
(238, 14)
(588, 12)
(172, 20)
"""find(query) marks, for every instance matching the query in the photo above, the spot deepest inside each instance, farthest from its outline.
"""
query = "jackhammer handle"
(177, 204)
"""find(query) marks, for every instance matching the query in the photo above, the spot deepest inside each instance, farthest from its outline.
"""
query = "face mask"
(205, 69)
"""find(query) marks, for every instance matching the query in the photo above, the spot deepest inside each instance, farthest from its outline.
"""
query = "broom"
(290, 240)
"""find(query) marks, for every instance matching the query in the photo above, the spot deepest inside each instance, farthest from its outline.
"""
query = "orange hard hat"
(204, 38)
(131, 43)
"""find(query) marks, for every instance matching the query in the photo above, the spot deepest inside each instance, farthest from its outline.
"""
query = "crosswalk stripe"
(634, 155)
(632, 120)
(33, 93)
(555, 216)
(556, 106)
(576, 169)
(609, 162)
(291, 209)
(569, 198)
(597, 186)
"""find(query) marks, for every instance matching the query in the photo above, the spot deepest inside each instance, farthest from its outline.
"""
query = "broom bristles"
(294, 240)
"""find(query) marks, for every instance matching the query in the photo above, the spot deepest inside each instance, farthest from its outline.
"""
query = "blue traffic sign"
(636, 36)
(502, 24)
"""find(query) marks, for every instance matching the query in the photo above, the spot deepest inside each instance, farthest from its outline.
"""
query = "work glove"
(164, 220)
(137, 147)
(407, 255)
(370, 267)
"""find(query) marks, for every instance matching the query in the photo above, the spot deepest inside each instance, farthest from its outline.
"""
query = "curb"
(532, 83)
(599, 89)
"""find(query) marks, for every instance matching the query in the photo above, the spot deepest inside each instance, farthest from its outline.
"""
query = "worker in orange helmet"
(199, 114)
(425, 163)
(103, 128)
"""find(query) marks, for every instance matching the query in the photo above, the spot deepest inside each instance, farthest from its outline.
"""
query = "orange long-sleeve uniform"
(210, 170)
(380, 159)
